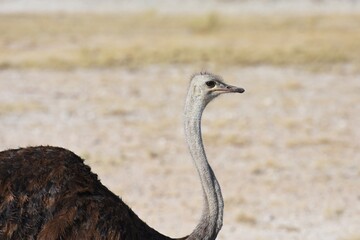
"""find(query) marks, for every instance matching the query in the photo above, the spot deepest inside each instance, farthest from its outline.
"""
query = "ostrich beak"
(225, 88)
(234, 89)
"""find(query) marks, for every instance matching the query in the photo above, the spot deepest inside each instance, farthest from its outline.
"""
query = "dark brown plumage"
(49, 193)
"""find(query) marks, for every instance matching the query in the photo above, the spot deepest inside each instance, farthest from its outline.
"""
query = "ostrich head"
(204, 87)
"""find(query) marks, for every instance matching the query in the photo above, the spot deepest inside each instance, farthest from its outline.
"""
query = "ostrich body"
(49, 193)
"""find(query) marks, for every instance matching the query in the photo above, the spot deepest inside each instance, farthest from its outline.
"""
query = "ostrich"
(49, 193)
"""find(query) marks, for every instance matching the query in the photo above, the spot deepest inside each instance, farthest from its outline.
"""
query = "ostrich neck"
(212, 213)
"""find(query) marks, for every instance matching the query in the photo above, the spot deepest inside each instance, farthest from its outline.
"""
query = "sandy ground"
(181, 6)
(286, 152)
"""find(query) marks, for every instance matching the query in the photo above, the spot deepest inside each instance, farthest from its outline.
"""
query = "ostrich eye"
(210, 84)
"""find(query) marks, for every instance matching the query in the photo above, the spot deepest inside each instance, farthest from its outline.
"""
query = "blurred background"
(107, 80)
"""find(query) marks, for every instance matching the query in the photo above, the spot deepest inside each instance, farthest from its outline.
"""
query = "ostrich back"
(49, 193)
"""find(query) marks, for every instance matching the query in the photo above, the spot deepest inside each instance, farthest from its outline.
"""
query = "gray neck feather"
(212, 214)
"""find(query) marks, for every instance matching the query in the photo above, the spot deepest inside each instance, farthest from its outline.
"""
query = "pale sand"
(286, 152)
(183, 6)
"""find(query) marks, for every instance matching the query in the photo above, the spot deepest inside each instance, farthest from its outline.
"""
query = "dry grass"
(352, 237)
(21, 107)
(244, 218)
(66, 41)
